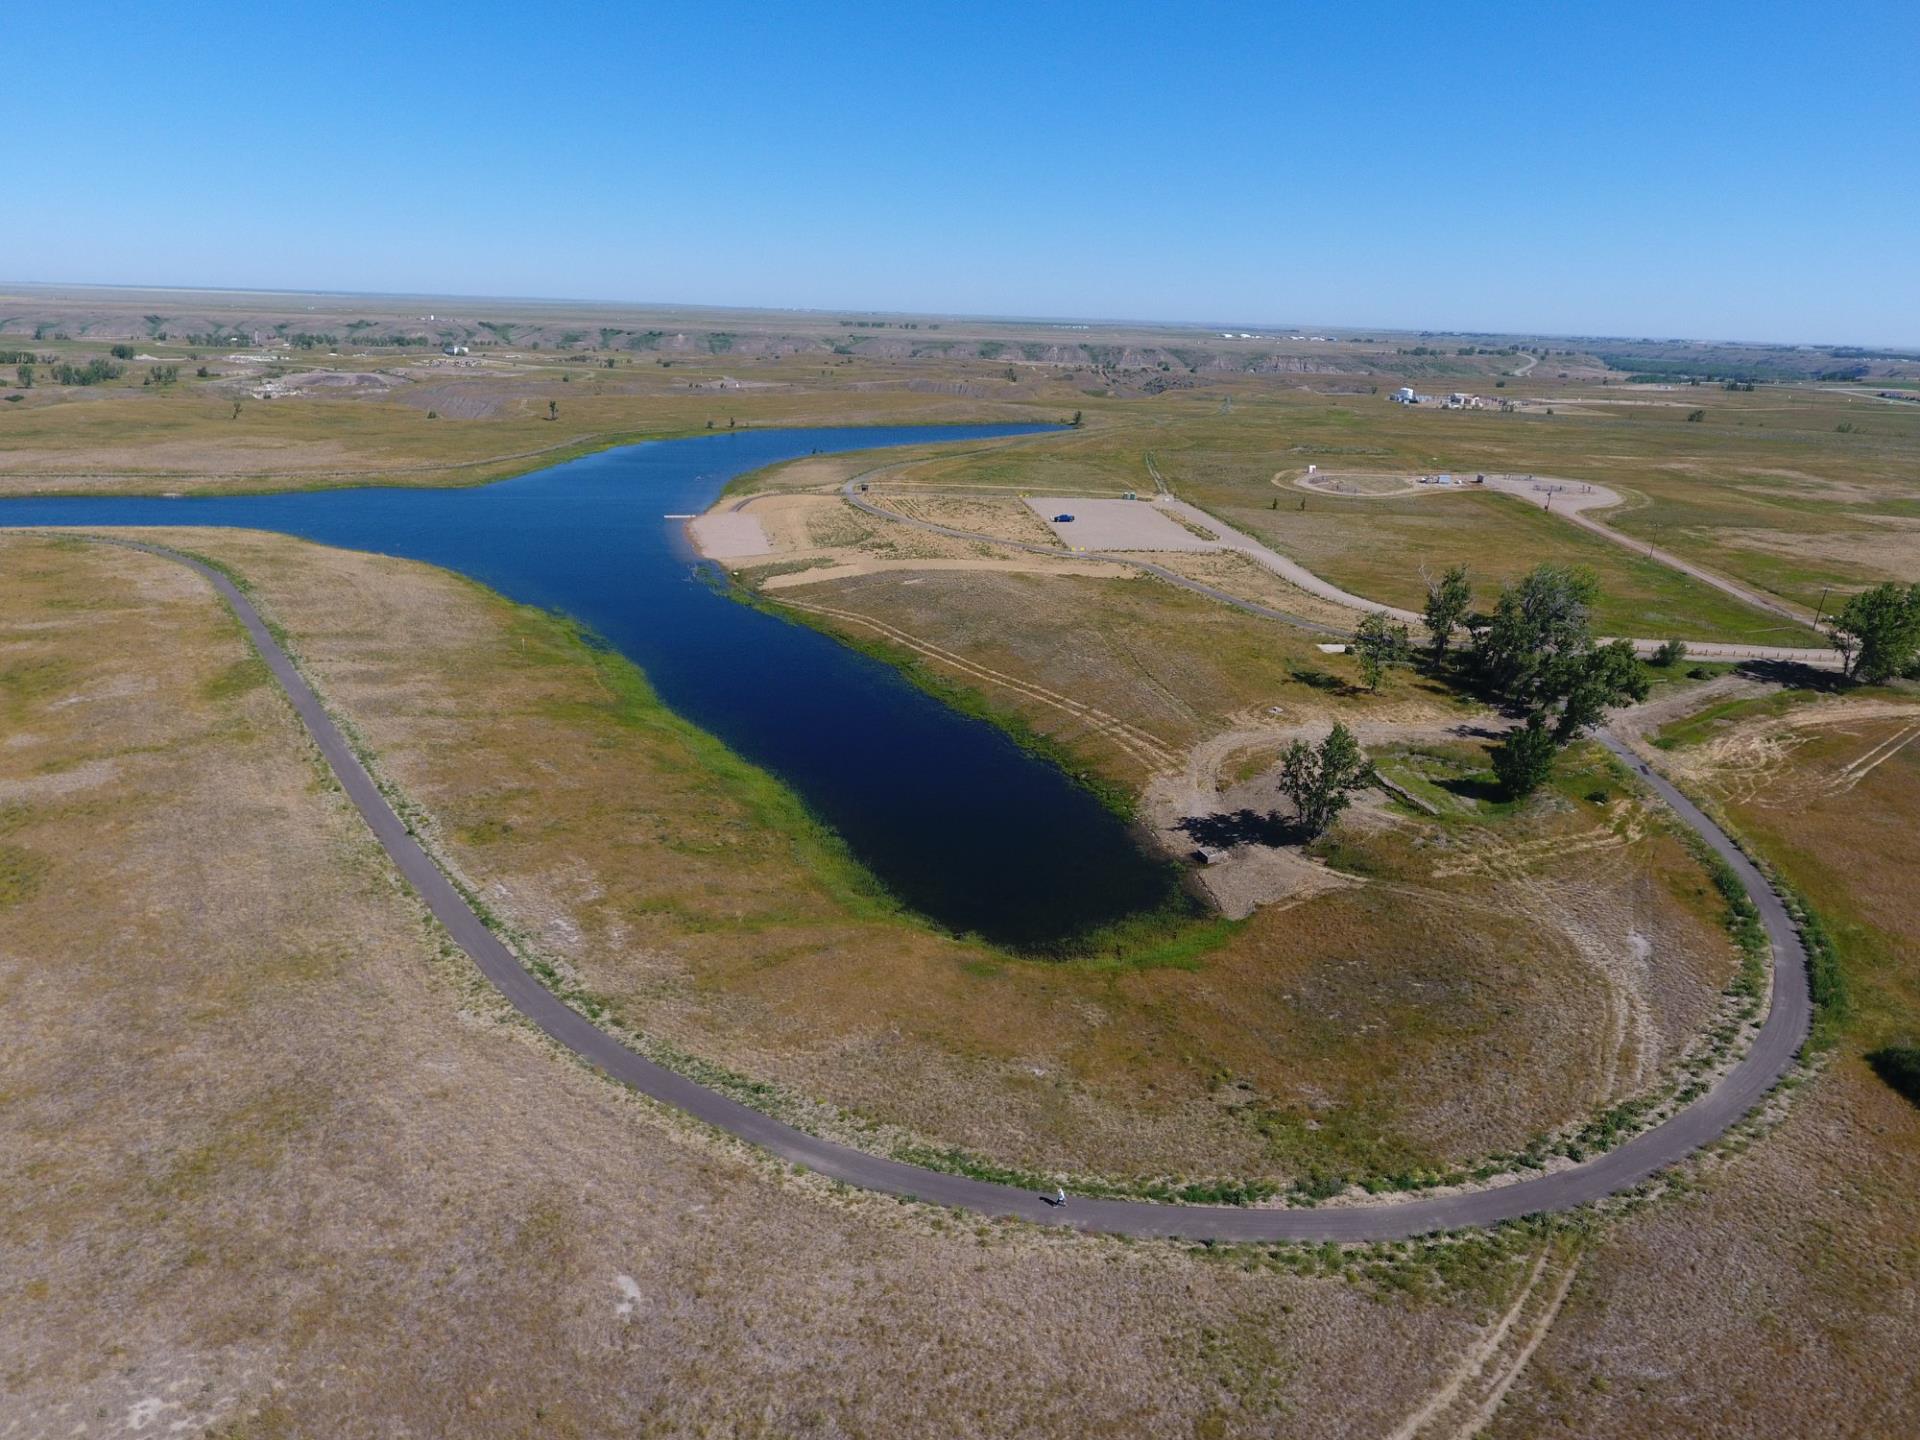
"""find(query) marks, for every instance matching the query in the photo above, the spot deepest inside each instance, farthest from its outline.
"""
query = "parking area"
(1116, 525)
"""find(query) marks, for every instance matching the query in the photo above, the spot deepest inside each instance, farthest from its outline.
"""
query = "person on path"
(1059, 1197)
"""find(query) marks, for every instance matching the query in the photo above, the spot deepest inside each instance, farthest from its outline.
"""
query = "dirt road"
(1772, 1055)
(1574, 499)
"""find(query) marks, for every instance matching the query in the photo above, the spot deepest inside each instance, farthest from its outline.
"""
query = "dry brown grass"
(274, 1165)
(121, 440)
(1348, 1031)
(1778, 1298)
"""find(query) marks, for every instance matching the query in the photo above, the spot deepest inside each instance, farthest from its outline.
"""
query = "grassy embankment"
(602, 845)
(278, 1138)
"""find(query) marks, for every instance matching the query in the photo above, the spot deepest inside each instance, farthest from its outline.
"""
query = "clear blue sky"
(1694, 169)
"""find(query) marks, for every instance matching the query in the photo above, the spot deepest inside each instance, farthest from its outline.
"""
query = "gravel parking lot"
(1116, 525)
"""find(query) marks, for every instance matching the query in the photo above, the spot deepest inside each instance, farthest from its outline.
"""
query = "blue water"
(956, 820)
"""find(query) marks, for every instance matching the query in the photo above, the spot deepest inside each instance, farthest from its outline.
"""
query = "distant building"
(452, 348)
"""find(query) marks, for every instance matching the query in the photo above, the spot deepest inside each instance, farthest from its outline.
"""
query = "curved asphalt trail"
(1773, 1052)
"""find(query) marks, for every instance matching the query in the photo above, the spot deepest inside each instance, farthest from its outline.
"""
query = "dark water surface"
(953, 817)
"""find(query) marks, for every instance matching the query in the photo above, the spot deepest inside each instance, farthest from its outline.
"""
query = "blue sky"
(1694, 169)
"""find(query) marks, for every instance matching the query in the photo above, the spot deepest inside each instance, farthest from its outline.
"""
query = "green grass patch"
(21, 871)
(237, 679)
(1712, 719)
(628, 701)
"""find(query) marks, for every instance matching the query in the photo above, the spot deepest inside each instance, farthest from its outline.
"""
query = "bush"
(1825, 978)
(91, 373)
(121, 352)
(1670, 653)
(1524, 759)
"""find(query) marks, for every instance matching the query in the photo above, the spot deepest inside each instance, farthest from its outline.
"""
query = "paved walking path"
(1733, 1096)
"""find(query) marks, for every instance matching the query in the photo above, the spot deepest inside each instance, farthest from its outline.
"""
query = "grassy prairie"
(1181, 669)
(1789, 488)
(1799, 1255)
(647, 871)
(1839, 822)
(1366, 546)
(278, 1165)
(188, 438)
(1228, 462)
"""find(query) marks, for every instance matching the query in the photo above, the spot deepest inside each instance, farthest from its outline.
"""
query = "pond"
(956, 820)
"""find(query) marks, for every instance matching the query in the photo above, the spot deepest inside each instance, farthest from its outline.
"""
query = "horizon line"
(963, 315)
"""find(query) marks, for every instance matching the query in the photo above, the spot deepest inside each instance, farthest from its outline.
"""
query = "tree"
(1588, 685)
(25, 372)
(1379, 643)
(1448, 600)
(1321, 781)
(1537, 653)
(1544, 615)
(553, 409)
(1877, 631)
(120, 352)
(1669, 654)
(1524, 759)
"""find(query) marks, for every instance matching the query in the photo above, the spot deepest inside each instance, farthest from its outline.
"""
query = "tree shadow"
(1224, 830)
(1322, 679)
(1484, 789)
(1794, 676)
(1899, 1067)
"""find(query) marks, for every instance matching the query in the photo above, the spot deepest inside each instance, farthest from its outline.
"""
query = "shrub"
(1524, 759)
(91, 373)
(1670, 653)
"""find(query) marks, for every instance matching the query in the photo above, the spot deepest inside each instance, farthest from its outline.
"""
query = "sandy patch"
(730, 535)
